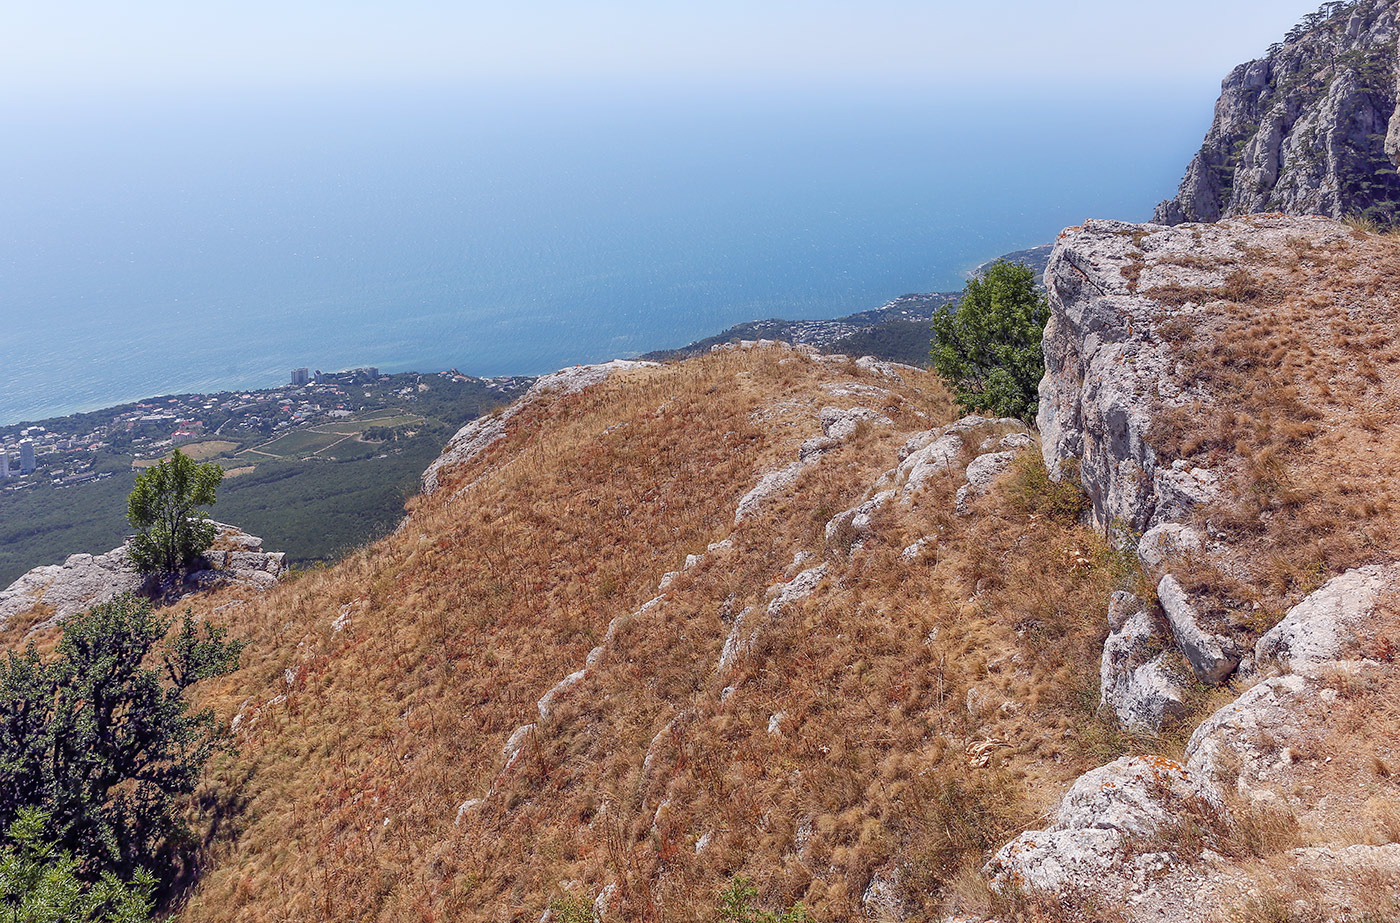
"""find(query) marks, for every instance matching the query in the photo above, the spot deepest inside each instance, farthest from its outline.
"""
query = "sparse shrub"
(1033, 491)
(736, 906)
(573, 910)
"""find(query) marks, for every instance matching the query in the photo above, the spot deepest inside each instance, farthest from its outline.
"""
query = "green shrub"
(100, 737)
(736, 906)
(988, 350)
(40, 883)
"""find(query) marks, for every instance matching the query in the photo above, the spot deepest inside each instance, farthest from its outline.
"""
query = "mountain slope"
(519, 705)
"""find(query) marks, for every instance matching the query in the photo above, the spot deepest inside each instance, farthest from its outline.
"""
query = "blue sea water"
(197, 244)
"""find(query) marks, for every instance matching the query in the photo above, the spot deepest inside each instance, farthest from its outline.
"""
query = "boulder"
(981, 472)
(1326, 625)
(847, 529)
(1134, 678)
(1211, 656)
(1095, 841)
(1162, 542)
(841, 423)
(1243, 744)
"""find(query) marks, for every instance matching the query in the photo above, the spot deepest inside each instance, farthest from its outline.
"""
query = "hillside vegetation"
(858, 731)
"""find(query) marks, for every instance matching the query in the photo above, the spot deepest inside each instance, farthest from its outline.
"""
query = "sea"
(213, 241)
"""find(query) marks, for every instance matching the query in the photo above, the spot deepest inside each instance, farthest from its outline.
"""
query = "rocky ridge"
(59, 591)
(1112, 376)
(778, 615)
(1312, 128)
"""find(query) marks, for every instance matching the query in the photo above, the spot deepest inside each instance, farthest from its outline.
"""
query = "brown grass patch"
(1300, 366)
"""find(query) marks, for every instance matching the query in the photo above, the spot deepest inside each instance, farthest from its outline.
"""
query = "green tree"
(164, 507)
(100, 738)
(988, 350)
(40, 883)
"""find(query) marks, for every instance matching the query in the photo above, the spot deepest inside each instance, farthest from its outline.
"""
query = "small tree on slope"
(164, 507)
(988, 350)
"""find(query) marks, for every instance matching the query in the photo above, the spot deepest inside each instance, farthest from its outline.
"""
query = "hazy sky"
(81, 47)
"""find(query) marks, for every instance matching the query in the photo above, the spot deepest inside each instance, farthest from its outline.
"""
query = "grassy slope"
(350, 786)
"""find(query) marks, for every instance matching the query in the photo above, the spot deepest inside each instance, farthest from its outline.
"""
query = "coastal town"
(85, 447)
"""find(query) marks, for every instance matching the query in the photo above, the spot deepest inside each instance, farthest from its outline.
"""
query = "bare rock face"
(85, 580)
(1106, 812)
(1327, 625)
(80, 582)
(1109, 373)
(1313, 128)
(1213, 657)
(1135, 678)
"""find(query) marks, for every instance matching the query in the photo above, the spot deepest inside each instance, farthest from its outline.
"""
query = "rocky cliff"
(1312, 128)
(1205, 384)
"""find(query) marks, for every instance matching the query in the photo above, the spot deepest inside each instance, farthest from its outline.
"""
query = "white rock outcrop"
(1165, 541)
(1135, 680)
(1106, 811)
(1109, 372)
(1213, 657)
(80, 582)
(1326, 626)
(981, 472)
(85, 580)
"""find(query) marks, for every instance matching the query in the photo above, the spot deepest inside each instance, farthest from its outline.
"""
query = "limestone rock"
(1134, 680)
(1108, 370)
(1211, 656)
(841, 423)
(1243, 741)
(1313, 128)
(1133, 795)
(883, 900)
(1325, 625)
(1105, 812)
(1161, 542)
(797, 589)
(85, 580)
(981, 472)
(848, 528)
(80, 582)
(771, 484)
(1121, 606)
(930, 454)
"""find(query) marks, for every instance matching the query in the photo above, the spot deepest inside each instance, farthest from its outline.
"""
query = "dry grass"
(655, 774)
(1301, 367)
